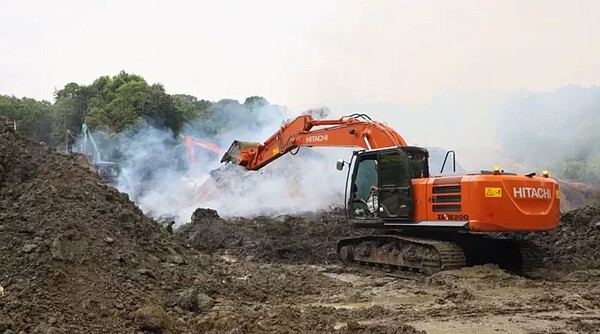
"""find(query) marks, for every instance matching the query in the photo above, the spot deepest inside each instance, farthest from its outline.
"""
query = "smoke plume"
(156, 172)
(519, 131)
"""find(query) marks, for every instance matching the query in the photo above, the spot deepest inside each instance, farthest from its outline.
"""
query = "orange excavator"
(424, 223)
(191, 143)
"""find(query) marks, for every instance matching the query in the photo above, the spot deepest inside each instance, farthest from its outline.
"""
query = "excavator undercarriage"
(436, 252)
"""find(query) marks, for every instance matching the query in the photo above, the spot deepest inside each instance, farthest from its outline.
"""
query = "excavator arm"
(87, 137)
(356, 130)
(191, 142)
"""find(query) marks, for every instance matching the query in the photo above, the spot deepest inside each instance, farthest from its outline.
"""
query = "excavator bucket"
(241, 152)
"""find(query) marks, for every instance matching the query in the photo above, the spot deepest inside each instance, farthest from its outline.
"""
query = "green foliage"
(254, 102)
(126, 103)
(228, 115)
(190, 107)
(68, 111)
(32, 117)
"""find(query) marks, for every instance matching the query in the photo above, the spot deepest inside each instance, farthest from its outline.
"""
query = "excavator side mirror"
(340, 164)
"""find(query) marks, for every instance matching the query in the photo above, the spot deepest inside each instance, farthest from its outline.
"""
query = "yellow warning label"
(275, 151)
(557, 193)
(493, 192)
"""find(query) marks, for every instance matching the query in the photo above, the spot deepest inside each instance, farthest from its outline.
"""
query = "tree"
(113, 105)
(32, 117)
(134, 104)
(69, 110)
(190, 106)
(254, 102)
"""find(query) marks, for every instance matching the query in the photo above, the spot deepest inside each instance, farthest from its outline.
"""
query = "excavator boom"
(191, 142)
(350, 131)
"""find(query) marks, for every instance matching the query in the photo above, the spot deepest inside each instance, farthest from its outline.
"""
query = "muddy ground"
(76, 256)
(562, 297)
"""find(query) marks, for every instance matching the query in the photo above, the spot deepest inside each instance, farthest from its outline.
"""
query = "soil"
(575, 244)
(73, 250)
(77, 256)
(282, 239)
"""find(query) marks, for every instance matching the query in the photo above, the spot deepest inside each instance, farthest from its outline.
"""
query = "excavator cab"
(381, 185)
(109, 171)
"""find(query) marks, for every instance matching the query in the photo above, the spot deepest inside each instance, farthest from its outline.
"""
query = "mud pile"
(287, 239)
(575, 244)
(73, 250)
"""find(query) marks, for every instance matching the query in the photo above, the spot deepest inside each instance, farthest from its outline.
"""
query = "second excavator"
(422, 222)
(191, 143)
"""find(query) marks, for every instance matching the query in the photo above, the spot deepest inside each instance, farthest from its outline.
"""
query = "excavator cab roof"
(419, 158)
(406, 149)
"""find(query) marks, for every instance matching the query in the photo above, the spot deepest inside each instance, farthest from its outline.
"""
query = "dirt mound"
(575, 244)
(73, 250)
(288, 239)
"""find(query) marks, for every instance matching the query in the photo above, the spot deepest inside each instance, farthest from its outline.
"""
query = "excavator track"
(404, 252)
(531, 257)
(429, 256)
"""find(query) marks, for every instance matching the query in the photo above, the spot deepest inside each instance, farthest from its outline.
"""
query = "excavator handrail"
(359, 116)
(356, 130)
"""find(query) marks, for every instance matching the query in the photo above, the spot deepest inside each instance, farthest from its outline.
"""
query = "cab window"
(366, 176)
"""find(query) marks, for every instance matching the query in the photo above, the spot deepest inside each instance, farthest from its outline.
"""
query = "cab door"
(394, 183)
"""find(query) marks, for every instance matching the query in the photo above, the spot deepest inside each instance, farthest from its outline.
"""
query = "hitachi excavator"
(423, 223)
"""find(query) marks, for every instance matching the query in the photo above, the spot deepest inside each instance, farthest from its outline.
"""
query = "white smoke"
(521, 132)
(156, 174)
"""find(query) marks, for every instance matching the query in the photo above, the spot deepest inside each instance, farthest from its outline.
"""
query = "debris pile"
(575, 244)
(73, 250)
(287, 239)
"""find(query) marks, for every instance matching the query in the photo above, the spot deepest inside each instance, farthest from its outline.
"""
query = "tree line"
(123, 103)
(556, 129)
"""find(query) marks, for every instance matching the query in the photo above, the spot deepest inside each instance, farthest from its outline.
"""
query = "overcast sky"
(302, 53)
